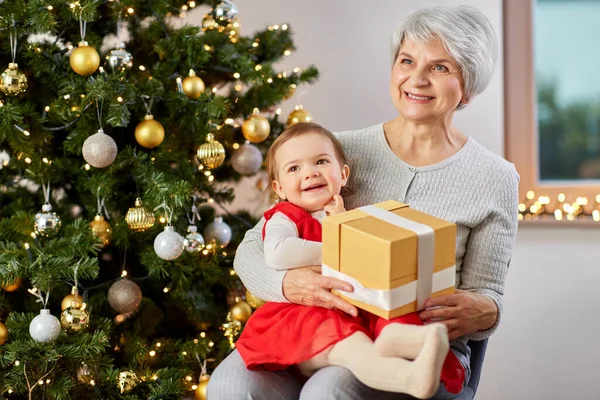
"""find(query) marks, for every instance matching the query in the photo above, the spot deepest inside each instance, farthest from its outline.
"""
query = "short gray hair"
(465, 32)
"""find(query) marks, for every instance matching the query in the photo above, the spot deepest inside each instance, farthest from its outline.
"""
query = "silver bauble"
(218, 233)
(119, 58)
(225, 11)
(99, 150)
(47, 223)
(168, 244)
(247, 160)
(124, 296)
(193, 241)
(44, 327)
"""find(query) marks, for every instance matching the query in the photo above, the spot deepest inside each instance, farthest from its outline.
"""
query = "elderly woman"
(442, 58)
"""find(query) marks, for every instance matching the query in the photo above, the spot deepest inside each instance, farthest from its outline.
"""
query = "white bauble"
(99, 150)
(247, 160)
(218, 233)
(44, 327)
(168, 244)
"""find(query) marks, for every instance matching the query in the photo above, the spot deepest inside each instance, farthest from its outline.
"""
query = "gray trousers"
(231, 380)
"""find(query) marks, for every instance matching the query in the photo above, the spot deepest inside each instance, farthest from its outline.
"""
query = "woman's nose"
(419, 77)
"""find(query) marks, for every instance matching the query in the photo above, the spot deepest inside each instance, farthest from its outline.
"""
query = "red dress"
(280, 335)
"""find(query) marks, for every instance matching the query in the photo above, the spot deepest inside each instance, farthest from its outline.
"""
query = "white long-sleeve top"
(284, 249)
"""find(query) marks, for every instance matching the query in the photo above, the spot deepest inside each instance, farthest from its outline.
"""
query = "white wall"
(545, 346)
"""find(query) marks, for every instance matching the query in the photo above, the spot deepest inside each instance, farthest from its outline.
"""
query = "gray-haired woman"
(443, 57)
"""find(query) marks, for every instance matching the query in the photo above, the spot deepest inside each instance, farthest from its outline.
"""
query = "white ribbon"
(419, 290)
(390, 299)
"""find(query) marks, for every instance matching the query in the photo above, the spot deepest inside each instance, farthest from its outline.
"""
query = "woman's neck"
(422, 144)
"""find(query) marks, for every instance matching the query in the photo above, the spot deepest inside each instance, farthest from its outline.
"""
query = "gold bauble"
(70, 300)
(101, 229)
(253, 301)
(212, 153)
(12, 287)
(256, 128)
(127, 381)
(84, 374)
(192, 85)
(298, 115)
(291, 91)
(241, 311)
(149, 133)
(13, 81)
(3, 333)
(84, 60)
(75, 318)
(200, 392)
(139, 218)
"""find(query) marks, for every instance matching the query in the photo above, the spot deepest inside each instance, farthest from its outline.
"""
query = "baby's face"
(308, 171)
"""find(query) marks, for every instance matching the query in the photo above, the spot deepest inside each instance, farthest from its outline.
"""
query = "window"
(552, 105)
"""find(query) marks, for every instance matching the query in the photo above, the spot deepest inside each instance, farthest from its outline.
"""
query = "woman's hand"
(462, 312)
(307, 286)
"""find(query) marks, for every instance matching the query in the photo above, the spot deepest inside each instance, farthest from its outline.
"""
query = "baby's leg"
(419, 378)
(405, 340)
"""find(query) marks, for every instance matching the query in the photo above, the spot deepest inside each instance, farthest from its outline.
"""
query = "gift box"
(395, 257)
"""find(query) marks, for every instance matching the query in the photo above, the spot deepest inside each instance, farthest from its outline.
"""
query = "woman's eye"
(406, 61)
(440, 68)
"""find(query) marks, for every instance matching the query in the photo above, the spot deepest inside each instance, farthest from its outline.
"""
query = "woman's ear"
(277, 188)
(345, 174)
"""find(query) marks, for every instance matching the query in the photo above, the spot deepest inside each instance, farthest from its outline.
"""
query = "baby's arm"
(284, 249)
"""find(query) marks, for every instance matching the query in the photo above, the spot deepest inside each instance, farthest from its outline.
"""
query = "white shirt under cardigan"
(474, 188)
(283, 247)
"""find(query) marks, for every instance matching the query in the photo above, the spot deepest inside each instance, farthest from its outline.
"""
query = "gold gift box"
(383, 257)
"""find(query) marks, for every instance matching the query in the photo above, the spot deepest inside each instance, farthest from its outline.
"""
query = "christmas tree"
(116, 167)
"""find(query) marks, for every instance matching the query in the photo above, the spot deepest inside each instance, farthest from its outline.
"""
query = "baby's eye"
(293, 168)
(322, 161)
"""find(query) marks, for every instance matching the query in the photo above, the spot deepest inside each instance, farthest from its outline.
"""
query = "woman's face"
(426, 84)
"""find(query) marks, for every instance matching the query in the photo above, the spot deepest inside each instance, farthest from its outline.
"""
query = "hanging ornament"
(84, 374)
(298, 115)
(212, 153)
(13, 81)
(99, 150)
(12, 287)
(247, 159)
(119, 59)
(241, 311)
(208, 23)
(291, 91)
(139, 218)
(124, 296)
(192, 85)
(200, 392)
(256, 128)
(101, 229)
(44, 327)
(193, 242)
(84, 60)
(3, 334)
(47, 223)
(75, 318)
(168, 244)
(224, 11)
(231, 328)
(73, 297)
(253, 301)
(149, 133)
(127, 381)
(218, 233)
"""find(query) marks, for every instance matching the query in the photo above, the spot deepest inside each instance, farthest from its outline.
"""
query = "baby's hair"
(293, 131)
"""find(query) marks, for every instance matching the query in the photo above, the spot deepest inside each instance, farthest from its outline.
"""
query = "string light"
(87, 167)
(236, 75)
(284, 27)
(47, 108)
(236, 146)
(130, 10)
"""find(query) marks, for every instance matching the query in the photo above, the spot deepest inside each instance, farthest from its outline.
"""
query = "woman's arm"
(476, 309)
(283, 248)
(301, 285)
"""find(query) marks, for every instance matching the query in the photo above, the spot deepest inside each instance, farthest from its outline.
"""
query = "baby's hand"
(335, 206)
